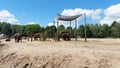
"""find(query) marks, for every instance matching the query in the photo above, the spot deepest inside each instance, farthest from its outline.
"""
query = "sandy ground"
(96, 53)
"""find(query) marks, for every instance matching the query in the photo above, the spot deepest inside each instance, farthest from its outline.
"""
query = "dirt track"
(96, 53)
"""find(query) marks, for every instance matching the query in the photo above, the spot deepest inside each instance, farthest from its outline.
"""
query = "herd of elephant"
(64, 35)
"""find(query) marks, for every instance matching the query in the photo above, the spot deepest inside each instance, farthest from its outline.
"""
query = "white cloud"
(112, 13)
(50, 24)
(94, 14)
(31, 22)
(6, 16)
(65, 23)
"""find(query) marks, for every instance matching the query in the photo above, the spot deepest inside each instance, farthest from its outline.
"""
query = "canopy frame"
(71, 18)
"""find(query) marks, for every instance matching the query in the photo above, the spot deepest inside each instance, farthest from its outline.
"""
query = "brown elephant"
(65, 35)
(18, 37)
(36, 36)
(7, 39)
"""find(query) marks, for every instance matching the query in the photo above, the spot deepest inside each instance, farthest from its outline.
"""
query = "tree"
(81, 32)
(23, 30)
(94, 29)
(60, 29)
(49, 31)
(88, 31)
(6, 30)
(69, 29)
(100, 31)
(0, 27)
(42, 30)
(104, 30)
(72, 31)
(32, 29)
(16, 28)
(115, 29)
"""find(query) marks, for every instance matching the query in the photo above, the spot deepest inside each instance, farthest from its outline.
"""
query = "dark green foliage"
(104, 31)
(16, 29)
(49, 31)
(81, 31)
(23, 30)
(71, 31)
(88, 31)
(0, 27)
(5, 29)
(42, 30)
(61, 28)
(115, 30)
(33, 28)
(93, 30)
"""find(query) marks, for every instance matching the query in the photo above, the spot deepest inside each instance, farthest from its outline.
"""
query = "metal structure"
(70, 18)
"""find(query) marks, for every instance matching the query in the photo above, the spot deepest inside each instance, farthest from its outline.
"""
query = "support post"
(76, 30)
(85, 27)
(70, 23)
(57, 23)
(53, 29)
(70, 30)
(57, 32)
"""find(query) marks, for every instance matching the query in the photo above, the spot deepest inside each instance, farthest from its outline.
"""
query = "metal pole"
(85, 28)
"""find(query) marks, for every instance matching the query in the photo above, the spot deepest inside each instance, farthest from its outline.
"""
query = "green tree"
(49, 31)
(60, 29)
(0, 28)
(88, 31)
(42, 30)
(94, 29)
(100, 31)
(16, 28)
(81, 32)
(33, 28)
(71, 31)
(115, 29)
(23, 30)
(105, 29)
(6, 30)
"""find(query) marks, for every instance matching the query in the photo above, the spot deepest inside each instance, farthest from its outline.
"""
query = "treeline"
(93, 30)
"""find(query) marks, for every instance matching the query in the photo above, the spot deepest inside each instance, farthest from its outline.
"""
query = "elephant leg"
(21, 39)
(17, 40)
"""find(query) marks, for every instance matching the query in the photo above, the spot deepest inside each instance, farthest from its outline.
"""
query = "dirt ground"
(96, 53)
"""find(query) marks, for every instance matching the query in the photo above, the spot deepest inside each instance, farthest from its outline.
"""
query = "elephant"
(65, 35)
(7, 39)
(18, 37)
(36, 36)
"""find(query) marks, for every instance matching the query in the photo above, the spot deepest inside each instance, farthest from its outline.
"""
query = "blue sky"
(43, 12)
